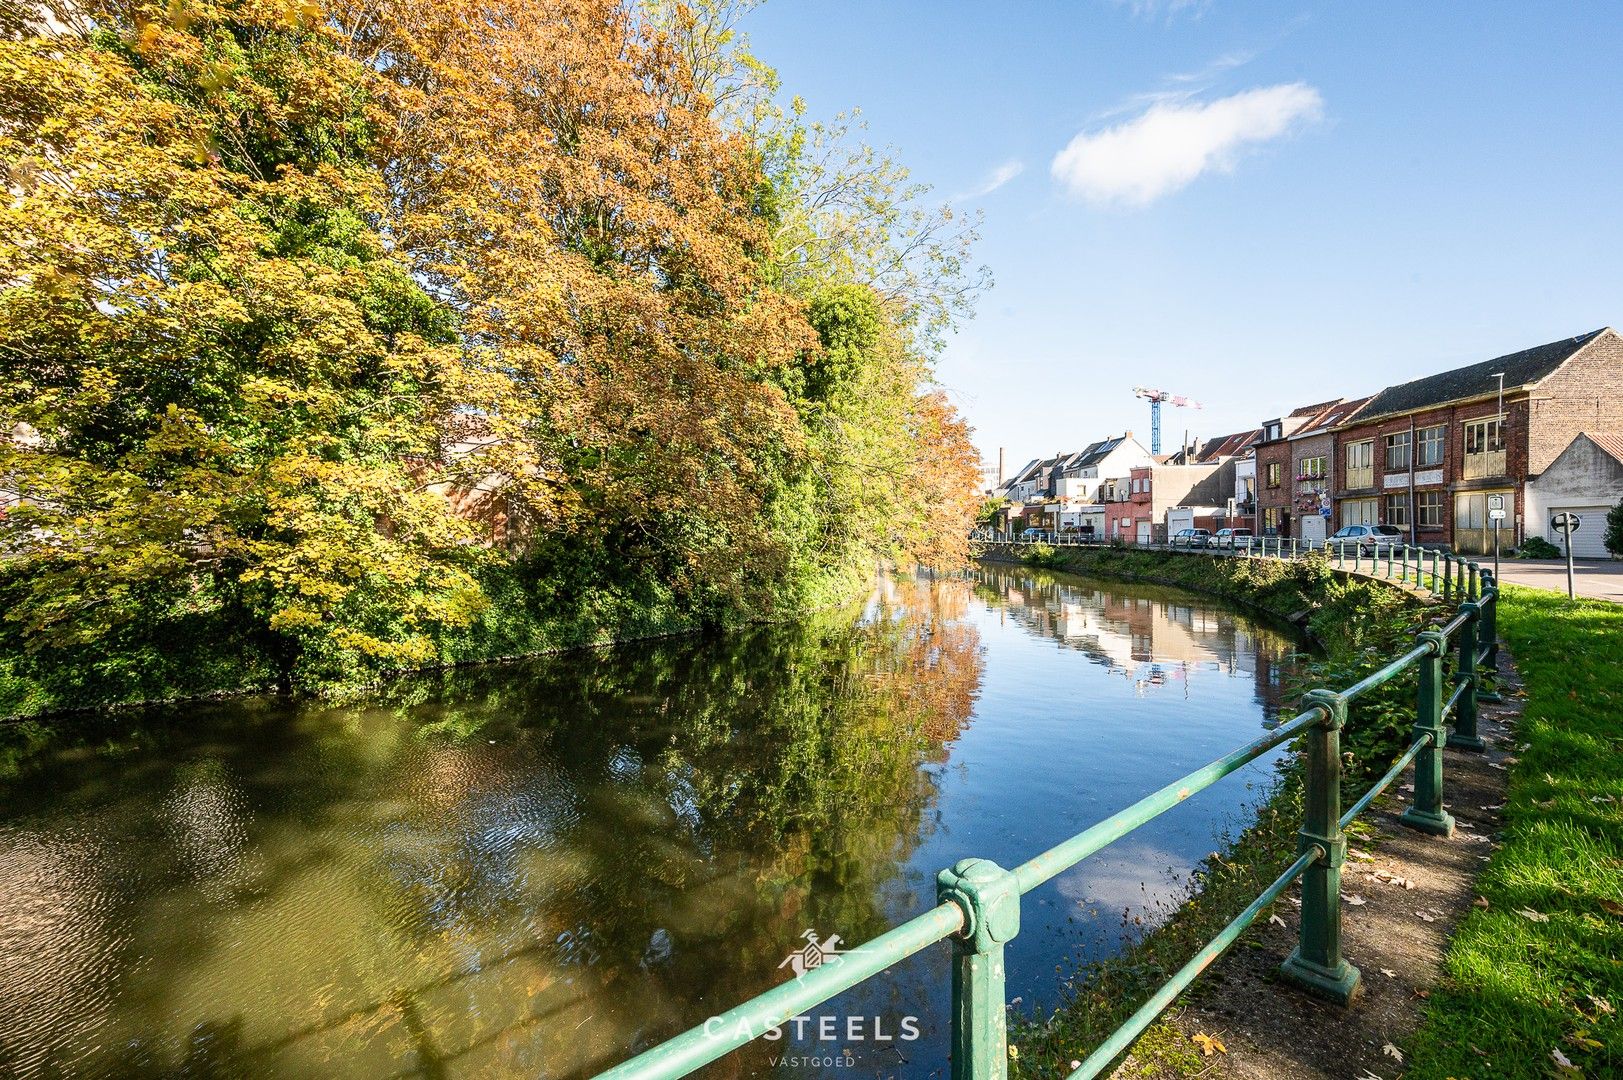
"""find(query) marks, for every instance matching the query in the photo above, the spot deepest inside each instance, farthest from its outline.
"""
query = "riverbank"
(208, 650)
(1359, 624)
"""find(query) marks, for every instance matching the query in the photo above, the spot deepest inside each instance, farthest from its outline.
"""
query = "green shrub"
(1614, 530)
(1536, 547)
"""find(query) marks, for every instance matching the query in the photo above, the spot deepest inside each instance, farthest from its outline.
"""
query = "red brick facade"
(1585, 393)
(1273, 488)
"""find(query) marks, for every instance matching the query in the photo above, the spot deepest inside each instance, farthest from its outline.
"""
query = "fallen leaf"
(1355, 901)
(1392, 1052)
(1276, 920)
(1611, 906)
(1601, 1004)
(1564, 1065)
(1481, 902)
(1389, 973)
(1208, 1045)
(1075, 1065)
(1426, 918)
(1531, 915)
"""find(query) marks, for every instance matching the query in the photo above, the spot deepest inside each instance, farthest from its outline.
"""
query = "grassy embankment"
(1358, 625)
(1539, 971)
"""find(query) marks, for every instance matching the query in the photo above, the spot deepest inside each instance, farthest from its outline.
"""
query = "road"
(1599, 578)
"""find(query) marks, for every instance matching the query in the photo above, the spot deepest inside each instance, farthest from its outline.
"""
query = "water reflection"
(529, 869)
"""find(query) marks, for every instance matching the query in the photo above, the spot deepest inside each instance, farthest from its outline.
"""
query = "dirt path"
(1396, 936)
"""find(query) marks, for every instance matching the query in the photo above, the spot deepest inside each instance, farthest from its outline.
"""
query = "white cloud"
(1162, 9)
(1170, 144)
(999, 176)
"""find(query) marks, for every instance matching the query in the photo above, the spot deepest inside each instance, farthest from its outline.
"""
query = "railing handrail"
(979, 901)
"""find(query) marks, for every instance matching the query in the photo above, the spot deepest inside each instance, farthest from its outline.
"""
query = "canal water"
(529, 870)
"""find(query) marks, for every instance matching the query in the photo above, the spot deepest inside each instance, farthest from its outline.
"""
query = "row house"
(1063, 491)
(1293, 469)
(1152, 490)
(1426, 456)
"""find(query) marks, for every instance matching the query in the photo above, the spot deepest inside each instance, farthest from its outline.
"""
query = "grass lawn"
(1539, 972)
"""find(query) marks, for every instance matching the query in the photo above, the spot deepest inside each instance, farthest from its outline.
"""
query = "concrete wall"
(1583, 475)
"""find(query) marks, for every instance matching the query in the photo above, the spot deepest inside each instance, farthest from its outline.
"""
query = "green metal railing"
(978, 904)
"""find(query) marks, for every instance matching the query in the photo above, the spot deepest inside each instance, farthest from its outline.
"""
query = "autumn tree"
(596, 237)
(215, 377)
(330, 323)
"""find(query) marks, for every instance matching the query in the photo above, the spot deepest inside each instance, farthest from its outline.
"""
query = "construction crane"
(1155, 397)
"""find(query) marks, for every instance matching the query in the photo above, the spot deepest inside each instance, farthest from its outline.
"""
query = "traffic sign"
(1567, 523)
(1496, 514)
(1496, 502)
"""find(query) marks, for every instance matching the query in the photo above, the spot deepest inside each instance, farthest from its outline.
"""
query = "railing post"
(1488, 639)
(989, 897)
(1464, 736)
(1433, 585)
(1427, 813)
(1490, 621)
(1476, 584)
(1316, 963)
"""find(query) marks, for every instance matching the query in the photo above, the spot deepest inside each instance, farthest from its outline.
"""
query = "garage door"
(1586, 542)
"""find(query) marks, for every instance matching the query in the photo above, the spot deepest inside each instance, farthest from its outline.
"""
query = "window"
(1359, 511)
(1484, 437)
(1397, 508)
(1397, 452)
(1313, 468)
(1270, 518)
(1361, 464)
(1273, 474)
(1431, 446)
(1484, 449)
(1429, 508)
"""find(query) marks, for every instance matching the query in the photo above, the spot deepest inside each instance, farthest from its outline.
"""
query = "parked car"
(1191, 538)
(1232, 539)
(1366, 536)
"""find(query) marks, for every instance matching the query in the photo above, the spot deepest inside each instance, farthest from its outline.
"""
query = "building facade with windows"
(1428, 455)
(1280, 466)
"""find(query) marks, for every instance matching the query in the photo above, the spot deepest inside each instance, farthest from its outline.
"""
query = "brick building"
(1426, 455)
(1276, 470)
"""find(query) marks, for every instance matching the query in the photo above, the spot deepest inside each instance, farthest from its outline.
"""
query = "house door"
(1473, 532)
(1312, 528)
(1144, 532)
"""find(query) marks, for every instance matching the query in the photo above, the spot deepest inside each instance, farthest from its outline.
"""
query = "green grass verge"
(1540, 970)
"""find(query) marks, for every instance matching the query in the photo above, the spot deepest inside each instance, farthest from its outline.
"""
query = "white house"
(1585, 479)
(1079, 498)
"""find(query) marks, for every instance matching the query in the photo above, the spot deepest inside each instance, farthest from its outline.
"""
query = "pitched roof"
(1473, 380)
(1337, 412)
(1311, 411)
(1609, 442)
(1097, 452)
(1227, 445)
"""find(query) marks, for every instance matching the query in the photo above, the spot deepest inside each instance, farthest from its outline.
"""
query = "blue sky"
(1267, 204)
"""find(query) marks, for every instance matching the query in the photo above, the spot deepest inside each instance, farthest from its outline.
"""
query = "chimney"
(1000, 466)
